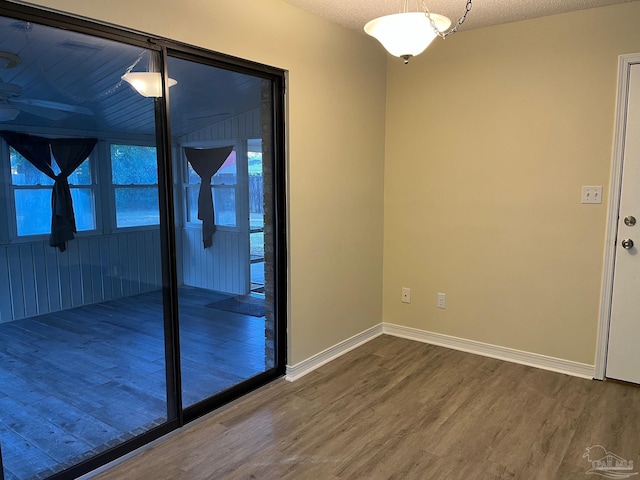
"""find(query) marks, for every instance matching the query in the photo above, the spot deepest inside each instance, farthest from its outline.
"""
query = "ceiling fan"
(12, 102)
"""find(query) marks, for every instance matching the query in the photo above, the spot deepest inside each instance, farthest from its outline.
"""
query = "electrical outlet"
(591, 194)
(442, 300)
(406, 295)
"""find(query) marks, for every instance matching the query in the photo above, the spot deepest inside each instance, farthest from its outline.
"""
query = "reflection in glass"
(82, 347)
(217, 303)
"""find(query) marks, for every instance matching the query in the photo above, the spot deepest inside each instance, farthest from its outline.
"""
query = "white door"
(623, 355)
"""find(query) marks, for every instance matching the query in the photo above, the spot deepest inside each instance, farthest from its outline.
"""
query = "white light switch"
(591, 194)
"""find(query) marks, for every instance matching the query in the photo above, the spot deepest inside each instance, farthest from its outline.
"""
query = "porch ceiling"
(81, 74)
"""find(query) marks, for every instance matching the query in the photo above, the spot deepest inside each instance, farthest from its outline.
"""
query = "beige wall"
(336, 146)
(490, 136)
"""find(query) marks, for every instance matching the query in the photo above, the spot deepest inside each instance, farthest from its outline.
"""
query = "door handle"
(627, 243)
(629, 220)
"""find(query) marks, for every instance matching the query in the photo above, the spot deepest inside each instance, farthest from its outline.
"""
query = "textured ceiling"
(355, 13)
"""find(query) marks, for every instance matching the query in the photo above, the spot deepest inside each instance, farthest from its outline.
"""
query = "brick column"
(269, 258)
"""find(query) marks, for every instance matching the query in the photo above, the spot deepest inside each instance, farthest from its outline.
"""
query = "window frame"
(6, 233)
(9, 216)
(239, 149)
(111, 187)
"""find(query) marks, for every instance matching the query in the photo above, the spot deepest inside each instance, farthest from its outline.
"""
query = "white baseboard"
(537, 360)
(299, 370)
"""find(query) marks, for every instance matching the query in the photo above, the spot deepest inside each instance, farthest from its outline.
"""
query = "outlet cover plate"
(406, 295)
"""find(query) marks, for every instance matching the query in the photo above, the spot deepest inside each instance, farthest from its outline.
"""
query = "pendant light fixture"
(149, 83)
(408, 33)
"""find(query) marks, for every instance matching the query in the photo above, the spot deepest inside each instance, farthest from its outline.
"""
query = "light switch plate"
(591, 194)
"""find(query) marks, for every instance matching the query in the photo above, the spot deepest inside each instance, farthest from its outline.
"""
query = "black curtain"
(69, 154)
(206, 162)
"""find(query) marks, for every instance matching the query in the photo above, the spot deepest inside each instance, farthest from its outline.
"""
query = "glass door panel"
(224, 326)
(82, 343)
(89, 352)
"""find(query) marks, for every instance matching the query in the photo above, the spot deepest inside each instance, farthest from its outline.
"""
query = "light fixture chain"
(458, 24)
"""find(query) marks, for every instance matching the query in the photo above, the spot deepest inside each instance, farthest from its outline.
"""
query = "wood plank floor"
(397, 409)
(77, 382)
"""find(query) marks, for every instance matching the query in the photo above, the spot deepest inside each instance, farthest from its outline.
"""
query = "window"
(134, 174)
(224, 184)
(32, 196)
(256, 193)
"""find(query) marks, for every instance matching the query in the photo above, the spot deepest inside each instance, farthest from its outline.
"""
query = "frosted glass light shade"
(147, 84)
(406, 34)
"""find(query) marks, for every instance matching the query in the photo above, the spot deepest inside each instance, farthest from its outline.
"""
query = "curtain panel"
(69, 153)
(206, 162)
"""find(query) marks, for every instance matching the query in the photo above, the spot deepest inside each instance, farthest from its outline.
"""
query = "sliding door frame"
(276, 77)
(162, 48)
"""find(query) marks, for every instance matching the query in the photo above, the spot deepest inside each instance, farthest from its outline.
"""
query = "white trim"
(536, 360)
(295, 372)
(494, 351)
(6, 218)
(606, 294)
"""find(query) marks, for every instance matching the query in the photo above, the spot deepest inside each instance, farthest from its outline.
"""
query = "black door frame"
(177, 415)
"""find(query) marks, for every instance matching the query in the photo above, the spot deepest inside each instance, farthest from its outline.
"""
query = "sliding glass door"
(82, 328)
(225, 324)
(140, 264)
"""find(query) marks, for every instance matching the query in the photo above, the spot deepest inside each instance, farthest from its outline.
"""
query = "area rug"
(244, 305)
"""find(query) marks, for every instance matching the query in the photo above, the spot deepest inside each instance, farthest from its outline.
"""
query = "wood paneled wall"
(36, 279)
(224, 266)
(246, 125)
(218, 267)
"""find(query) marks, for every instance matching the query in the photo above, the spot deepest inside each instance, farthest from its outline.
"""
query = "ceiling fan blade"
(64, 107)
(41, 112)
